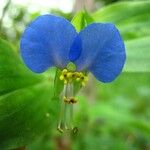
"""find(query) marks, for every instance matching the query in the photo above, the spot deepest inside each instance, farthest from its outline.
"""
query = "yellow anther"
(83, 79)
(77, 74)
(61, 77)
(64, 71)
(69, 75)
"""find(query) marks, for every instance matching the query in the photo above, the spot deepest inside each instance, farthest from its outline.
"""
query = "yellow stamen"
(64, 71)
(69, 76)
(61, 77)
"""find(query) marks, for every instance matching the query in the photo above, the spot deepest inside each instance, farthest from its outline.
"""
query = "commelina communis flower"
(52, 41)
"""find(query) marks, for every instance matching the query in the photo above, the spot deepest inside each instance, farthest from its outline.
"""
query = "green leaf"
(138, 55)
(119, 116)
(26, 109)
(132, 20)
(13, 74)
(81, 20)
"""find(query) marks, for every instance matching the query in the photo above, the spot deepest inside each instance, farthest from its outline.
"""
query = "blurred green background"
(114, 116)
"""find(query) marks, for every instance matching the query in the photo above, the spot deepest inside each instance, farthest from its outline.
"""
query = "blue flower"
(53, 41)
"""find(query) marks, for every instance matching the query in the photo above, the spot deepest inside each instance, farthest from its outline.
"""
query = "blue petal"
(75, 49)
(46, 42)
(103, 51)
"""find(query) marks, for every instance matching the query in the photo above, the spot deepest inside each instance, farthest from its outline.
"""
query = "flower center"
(70, 76)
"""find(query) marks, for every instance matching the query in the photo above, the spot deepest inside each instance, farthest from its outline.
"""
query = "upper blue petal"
(103, 51)
(46, 42)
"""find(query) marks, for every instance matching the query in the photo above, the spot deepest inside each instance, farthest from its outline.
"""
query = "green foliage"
(138, 55)
(108, 1)
(132, 20)
(81, 20)
(118, 119)
(26, 108)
